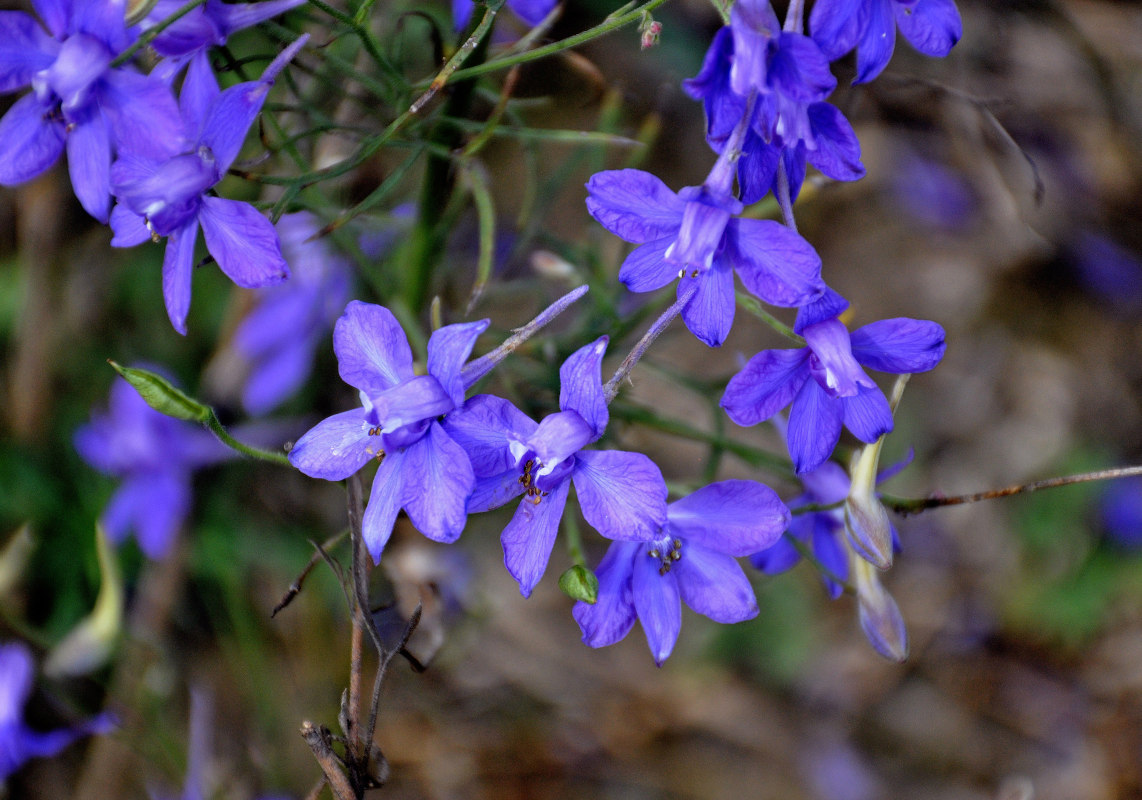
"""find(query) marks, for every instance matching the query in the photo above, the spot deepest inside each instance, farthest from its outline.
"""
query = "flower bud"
(650, 29)
(161, 395)
(880, 617)
(579, 583)
(866, 521)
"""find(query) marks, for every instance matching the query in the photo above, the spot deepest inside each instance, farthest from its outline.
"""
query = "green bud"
(579, 583)
(161, 395)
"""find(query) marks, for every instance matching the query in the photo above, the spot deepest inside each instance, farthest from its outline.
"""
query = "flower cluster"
(129, 141)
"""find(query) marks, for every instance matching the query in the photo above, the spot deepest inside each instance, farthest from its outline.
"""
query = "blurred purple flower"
(18, 742)
(690, 558)
(932, 193)
(1122, 513)
(1109, 270)
(155, 456)
(931, 26)
(692, 235)
(166, 194)
(280, 336)
(825, 383)
(422, 469)
(622, 495)
(77, 99)
(530, 11)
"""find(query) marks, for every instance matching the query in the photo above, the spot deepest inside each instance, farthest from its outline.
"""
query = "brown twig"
(320, 743)
(295, 588)
(915, 506)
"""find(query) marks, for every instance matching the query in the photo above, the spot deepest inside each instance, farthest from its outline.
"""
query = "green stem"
(150, 34)
(748, 302)
(606, 26)
(213, 425)
(574, 540)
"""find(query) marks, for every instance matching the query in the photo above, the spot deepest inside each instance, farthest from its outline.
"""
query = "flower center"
(666, 552)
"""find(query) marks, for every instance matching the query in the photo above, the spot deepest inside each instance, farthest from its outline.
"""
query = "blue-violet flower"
(690, 558)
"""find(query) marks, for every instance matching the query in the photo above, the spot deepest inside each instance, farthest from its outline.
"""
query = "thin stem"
(149, 35)
(784, 198)
(795, 17)
(606, 26)
(477, 369)
(574, 540)
(611, 387)
(915, 506)
(213, 425)
(459, 57)
(751, 304)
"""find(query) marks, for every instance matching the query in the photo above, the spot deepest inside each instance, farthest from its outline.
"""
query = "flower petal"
(24, 50)
(709, 314)
(385, 500)
(734, 517)
(143, 114)
(243, 242)
(494, 491)
(834, 26)
(837, 152)
(899, 345)
(814, 426)
(877, 39)
(581, 385)
(178, 265)
(931, 26)
(485, 427)
(30, 142)
(622, 495)
(768, 382)
(529, 537)
(634, 205)
(867, 414)
(89, 165)
(129, 228)
(714, 585)
(646, 268)
(438, 481)
(774, 263)
(448, 349)
(336, 447)
(229, 119)
(372, 351)
(612, 616)
(828, 306)
(659, 607)
(16, 670)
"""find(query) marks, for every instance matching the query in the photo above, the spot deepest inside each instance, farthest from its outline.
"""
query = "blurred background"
(1003, 200)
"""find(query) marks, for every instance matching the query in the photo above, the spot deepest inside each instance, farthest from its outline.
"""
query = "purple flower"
(825, 382)
(18, 742)
(204, 27)
(422, 469)
(280, 336)
(791, 79)
(77, 99)
(622, 495)
(931, 26)
(530, 11)
(692, 236)
(166, 195)
(690, 558)
(820, 530)
(155, 456)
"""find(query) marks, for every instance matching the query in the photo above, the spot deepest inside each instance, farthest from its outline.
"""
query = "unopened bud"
(880, 616)
(579, 583)
(866, 521)
(649, 29)
(161, 395)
